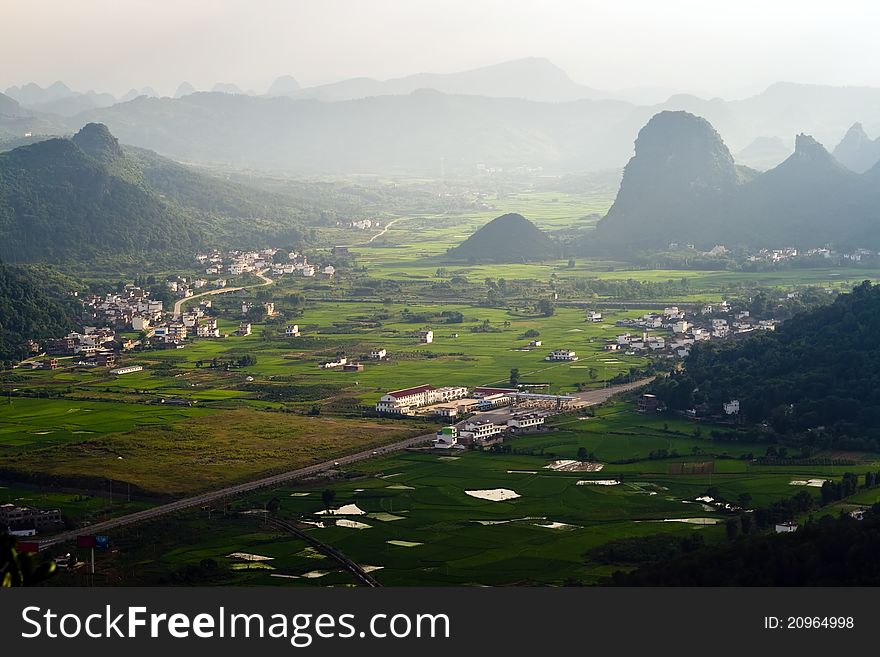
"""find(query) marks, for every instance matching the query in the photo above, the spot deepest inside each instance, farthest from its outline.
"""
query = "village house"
(561, 355)
(353, 367)
(529, 421)
(27, 520)
(244, 328)
(208, 329)
(378, 354)
(426, 337)
(731, 407)
(292, 331)
(481, 432)
(446, 438)
(330, 364)
(594, 316)
(648, 403)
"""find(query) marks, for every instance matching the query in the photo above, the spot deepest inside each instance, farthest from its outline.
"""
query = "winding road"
(178, 305)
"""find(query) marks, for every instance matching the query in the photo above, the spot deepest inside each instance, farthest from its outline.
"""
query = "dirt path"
(384, 230)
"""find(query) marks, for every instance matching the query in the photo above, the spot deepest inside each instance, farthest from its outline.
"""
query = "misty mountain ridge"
(764, 153)
(285, 85)
(857, 150)
(681, 187)
(531, 78)
(58, 98)
(466, 125)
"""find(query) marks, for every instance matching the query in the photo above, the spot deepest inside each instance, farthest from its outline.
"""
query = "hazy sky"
(710, 47)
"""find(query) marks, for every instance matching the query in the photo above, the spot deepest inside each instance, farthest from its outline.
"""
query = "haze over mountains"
(682, 186)
(857, 151)
(523, 113)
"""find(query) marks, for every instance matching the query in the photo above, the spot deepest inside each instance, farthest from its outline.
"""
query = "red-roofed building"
(403, 401)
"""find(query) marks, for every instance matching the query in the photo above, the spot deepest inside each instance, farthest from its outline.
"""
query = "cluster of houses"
(239, 262)
(123, 309)
(183, 287)
(358, 224)
(174, 333)
(712, 322)
(93, 346)
(22, 520)
(791, 253)
(449, 402)
(482, 433)
(774, 255)
(343, 364)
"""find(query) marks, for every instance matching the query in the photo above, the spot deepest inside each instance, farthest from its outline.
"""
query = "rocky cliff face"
(680, 173)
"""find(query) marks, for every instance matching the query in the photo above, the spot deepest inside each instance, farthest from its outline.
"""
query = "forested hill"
(35, 302)
(508, 238)
(829, 552)
(88, 198)
(815, 379)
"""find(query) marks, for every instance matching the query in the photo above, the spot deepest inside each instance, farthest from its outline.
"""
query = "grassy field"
(210, 451)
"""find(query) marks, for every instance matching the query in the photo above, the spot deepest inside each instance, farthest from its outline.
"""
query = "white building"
(244, 328)
(525, 422)
(446, 438)
(731, 407)
(562, 354)
(408, 399)
(208, 329)
(426, 337)
(127, 370)
(378, 354)
(292, 331)
(594, 316)
(481, 431)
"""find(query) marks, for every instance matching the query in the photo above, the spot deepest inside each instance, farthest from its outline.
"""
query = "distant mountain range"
(524, 113)
(532, 78)
(508, 238)
(682, 186)
(90, 199)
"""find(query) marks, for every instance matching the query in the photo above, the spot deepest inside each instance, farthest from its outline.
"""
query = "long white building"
(408, 399)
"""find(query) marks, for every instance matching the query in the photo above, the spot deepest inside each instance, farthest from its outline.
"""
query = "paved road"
(589, 398)
(178, 305)
(213, 496)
